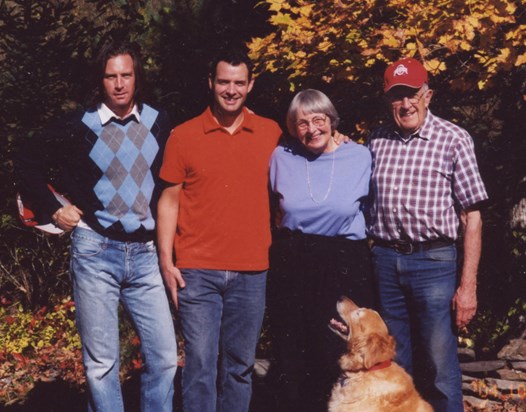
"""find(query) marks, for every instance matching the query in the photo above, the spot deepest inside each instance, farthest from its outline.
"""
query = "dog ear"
(379, 348)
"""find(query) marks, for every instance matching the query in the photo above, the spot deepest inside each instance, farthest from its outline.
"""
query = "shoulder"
(357, 149)
(445, 127)
(263, 124)
(190, 126)
(355, 153)
(287, 148)
(67, 124)
(159, 112)
(385, 131)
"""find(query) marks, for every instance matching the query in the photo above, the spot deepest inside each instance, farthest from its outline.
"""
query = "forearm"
(472, 224)
(167, 215)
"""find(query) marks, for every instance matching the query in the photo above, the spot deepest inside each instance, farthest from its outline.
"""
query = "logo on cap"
(400, 70)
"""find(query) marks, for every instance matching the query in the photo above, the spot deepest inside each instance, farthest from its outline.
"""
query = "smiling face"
(314, 130)
(409, 107)
(119, 84)
(230, 87)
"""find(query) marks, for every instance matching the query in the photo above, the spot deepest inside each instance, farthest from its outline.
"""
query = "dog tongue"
(338, 326)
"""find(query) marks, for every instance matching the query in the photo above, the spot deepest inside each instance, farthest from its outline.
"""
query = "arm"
(167, 213)
(465, 299)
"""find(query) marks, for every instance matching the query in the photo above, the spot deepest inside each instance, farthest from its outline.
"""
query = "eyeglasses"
(317, 121)
(397, 99)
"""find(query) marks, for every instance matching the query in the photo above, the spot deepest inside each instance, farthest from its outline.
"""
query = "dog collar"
(342, 380)
(381, 365)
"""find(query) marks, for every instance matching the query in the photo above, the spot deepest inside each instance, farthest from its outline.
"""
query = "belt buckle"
(405, 248)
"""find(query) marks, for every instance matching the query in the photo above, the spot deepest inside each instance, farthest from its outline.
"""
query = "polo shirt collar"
(210, 124)
(106, 114)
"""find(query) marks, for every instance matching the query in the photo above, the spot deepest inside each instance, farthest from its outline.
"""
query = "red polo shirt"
(223, 220)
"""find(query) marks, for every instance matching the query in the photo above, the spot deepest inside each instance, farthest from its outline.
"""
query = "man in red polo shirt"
(215, 213)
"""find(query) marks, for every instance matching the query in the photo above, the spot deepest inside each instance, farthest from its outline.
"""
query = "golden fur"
(388, 388)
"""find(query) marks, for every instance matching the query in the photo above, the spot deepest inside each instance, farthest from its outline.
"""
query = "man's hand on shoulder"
(340, 138)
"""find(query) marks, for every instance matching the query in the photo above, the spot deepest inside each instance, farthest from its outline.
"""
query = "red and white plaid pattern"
(418, 183)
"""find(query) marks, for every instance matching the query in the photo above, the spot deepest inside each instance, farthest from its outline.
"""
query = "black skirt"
(308, 274)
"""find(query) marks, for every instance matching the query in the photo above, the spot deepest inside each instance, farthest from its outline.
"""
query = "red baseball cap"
(405, 72)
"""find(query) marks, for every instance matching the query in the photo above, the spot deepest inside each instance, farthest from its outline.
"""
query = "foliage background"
(475, 49)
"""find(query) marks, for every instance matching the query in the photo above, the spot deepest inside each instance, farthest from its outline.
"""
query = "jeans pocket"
(85, 247)
(443, 254)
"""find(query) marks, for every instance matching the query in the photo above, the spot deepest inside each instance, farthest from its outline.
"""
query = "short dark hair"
(233, 55)
(113, 49)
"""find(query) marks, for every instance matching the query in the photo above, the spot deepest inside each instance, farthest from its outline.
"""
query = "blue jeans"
(105, 272)
(415, 294)
(221, 313)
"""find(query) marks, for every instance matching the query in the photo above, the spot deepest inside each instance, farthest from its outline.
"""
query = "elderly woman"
(319, 252)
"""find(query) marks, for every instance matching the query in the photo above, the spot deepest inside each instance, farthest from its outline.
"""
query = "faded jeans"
(105, 272)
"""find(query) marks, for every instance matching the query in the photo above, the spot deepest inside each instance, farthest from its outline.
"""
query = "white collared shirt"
(106, 114)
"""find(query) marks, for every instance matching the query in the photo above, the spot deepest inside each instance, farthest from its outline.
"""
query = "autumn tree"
(475, 51)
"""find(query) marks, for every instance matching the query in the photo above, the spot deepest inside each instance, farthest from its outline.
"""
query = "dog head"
(368, 340)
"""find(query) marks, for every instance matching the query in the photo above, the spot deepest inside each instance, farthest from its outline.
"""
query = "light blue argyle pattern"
(124, 153)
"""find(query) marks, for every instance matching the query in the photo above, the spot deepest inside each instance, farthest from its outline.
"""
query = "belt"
(406, 247)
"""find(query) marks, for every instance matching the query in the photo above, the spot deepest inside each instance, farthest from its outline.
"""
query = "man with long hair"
(108, 159)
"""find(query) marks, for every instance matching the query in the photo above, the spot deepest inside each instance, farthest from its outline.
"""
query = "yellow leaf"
(281, 19)
(276, 5)
(324, 45)
(434, 66)
(481, 84)
(464, 45)
(473, 21)
(503, 55)
(306, 10)
(520, 60)
(510, 8)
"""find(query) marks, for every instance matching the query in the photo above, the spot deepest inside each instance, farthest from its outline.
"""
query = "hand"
(340, 138)
(67, 217)
(465, 304)
(173, 279)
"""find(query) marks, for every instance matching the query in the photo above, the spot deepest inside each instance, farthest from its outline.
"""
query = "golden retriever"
(370, 380)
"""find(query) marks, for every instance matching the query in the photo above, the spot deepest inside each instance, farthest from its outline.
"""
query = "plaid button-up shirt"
(418, 185)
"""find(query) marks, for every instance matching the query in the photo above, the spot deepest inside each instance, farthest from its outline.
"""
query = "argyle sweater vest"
(124, 153)
(111, 171)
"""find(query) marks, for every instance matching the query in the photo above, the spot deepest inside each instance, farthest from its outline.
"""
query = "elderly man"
(425, 182)
(109, 158)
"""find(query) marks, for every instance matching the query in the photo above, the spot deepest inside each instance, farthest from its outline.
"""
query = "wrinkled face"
(409, 107)
(314, 131)
(230, 88)
(119, 84)
(360, 321)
